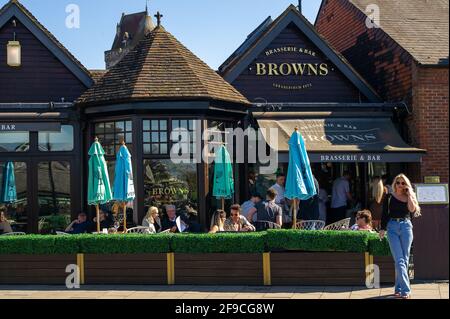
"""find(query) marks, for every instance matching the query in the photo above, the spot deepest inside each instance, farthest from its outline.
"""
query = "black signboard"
(30, 127)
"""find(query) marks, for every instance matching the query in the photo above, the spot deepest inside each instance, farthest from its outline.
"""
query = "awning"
(338, 139)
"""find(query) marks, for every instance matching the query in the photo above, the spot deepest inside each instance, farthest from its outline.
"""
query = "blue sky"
(212, 29)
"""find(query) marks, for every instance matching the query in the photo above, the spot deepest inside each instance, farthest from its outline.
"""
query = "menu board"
(428, 194)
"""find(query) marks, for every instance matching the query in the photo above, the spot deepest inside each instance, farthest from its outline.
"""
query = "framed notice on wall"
(432, 194)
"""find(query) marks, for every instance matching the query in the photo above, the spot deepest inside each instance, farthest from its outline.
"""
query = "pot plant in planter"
(52, 224)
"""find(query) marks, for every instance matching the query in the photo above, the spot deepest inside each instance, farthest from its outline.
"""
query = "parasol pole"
(223, 203)
(294, 218)
(124, 218)
(97, 210)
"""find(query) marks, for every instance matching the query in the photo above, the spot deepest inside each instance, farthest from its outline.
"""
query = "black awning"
(338, 139)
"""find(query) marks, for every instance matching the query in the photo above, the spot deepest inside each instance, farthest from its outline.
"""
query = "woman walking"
(399, 207)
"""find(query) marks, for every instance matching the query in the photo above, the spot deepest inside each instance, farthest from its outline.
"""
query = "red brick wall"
(429, 121)
(377, 57)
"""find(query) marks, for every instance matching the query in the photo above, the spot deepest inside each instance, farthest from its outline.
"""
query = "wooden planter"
(35, 269)
(387, 269)
(218, 269)
(321, 269)
(145, 269)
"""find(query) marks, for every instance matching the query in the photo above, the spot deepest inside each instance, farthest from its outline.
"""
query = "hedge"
(342, 241)
(271, 240)
(219, 243)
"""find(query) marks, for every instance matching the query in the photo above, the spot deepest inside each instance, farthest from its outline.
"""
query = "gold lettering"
(260, 69)
(299, 68)
(285, 69)
(273, 69)
(323, 69)
(313, 68)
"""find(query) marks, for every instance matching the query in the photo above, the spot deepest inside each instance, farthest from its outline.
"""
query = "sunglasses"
(401, 183)
(234, 215)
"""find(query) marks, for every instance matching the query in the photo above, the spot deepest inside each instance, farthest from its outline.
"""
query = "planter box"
(35, 269)
(317, 269)
(219, 269)
(387, 269)
(121, 269)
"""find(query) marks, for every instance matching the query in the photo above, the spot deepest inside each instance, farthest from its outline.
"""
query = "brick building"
(404, 56)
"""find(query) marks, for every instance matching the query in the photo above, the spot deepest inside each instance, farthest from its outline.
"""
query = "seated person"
(237, 222)
(169, 220)
(218, 222)
(80, 225)
(151, 220)
(268, 211)
(5, 226)
(363, 221)
(105, 222)
(249, 206)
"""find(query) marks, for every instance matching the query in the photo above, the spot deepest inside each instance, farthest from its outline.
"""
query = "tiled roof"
(136, 25)
(160, 68)
(97, 74)
(47, 33)
(421, 27)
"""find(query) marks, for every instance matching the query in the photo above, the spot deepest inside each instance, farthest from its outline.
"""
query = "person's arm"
(214, 229)
(246, 226)
(279, 219)
(412, 206)
(251, 213)
(69, 228)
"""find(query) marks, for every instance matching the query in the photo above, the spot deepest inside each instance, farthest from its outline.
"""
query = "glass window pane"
(15, 212)
(100, 128)
(163, 137)
(146, 125)
(53, 196)
(163, 148)
(184, 124)
(163, 125)
(147, 138)
(57, 142)
(147, 149)
(109, 128)
(155, 137)
(169, 183)
(129, 138)
(14, 141)
(155, 125)
(120, 127)
(175, 124)
(155, 149)
(129, 126)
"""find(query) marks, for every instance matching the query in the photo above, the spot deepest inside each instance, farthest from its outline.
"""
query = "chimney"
(300, 6)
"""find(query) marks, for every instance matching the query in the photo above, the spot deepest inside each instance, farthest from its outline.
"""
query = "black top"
(393, 208)
(268, 211)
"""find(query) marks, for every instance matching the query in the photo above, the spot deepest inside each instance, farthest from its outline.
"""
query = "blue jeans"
(400, 236)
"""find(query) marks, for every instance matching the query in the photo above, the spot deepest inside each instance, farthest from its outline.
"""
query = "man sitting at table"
(169, 221)
(268, 211)
(236, 222)
(80, 225)
(105, 222)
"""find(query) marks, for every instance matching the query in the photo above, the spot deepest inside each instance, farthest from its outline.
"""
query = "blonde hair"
(151, 211)
(378, 190)
(418, 211)
(216, 218)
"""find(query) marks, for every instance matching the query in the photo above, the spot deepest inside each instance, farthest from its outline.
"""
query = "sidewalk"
(420, 291)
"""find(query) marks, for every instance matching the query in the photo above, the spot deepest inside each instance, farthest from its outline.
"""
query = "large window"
(168, 183)
(57, 141)
(156, 137)
(14, 141)
(110, 135)
(54, 195)
(15, 211)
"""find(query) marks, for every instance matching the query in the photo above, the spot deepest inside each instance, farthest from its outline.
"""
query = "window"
(110, 135)
(16, 211)
(189, 126)
(14, 141)
(54, 196)
(169, 183)
(156, 137)
(57, 141)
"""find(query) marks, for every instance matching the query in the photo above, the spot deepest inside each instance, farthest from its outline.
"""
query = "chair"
(139, 230)
(14, 234)
(264, 225)
(340, 225)
(61, 233)
(310, 224)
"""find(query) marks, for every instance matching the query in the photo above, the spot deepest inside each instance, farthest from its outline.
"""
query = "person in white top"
(279, 188)
(151, 220)
(340, 197)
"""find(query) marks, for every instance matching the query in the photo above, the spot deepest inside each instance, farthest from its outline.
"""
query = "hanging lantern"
(14, 53)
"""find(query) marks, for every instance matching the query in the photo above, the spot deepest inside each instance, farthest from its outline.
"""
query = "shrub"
(345, 241)
(378, 247)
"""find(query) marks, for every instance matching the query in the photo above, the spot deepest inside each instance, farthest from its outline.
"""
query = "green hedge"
(271, 240)
(219, 243)
(344, 241)
(378, 247)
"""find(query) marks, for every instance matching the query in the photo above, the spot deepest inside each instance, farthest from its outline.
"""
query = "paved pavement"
(420, 291)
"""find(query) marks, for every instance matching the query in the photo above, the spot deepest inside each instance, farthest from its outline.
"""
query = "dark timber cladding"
(61, 76)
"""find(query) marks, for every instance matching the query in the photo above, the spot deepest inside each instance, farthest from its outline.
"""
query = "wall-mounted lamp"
(14, 51)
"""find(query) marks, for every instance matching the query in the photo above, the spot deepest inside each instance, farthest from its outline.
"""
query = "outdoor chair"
(139, 230)
(61, 233)
(340, 225)
(264, 225)
(311, 224)
(14, 234)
